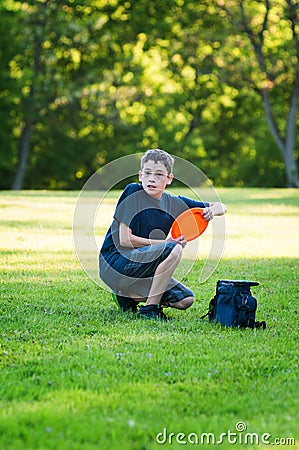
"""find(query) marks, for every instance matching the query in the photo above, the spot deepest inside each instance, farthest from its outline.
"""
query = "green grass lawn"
(76, 374)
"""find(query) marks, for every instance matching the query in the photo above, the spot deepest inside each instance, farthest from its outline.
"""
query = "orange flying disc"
(189, 223)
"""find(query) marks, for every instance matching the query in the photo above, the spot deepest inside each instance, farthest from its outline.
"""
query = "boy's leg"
(149, 281)
(162, 276)
(177, 296)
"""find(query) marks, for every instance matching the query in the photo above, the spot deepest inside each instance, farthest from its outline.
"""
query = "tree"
(9, 105)
(72, 61)
(272, 30)
(87, 82)
(203, 117)
(45, 61)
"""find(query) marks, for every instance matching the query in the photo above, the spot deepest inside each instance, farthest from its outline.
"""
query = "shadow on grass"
(77, 373)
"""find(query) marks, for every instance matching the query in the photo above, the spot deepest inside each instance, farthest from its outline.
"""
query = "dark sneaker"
(126, 304)
(151, 312)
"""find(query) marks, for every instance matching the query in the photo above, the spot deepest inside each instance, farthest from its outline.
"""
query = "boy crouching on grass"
(137, 259)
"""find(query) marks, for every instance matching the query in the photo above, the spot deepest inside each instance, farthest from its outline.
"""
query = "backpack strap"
(204, 316)
(211, 309)
(261, 324)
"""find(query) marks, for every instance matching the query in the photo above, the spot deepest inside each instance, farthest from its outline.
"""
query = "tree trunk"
(22, 156)
(286, 146)
(291, 166)
(291, 169)
(31, 111)
(287, 143)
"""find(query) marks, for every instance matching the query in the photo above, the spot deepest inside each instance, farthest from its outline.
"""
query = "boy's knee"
(188, 302)
(185, 303)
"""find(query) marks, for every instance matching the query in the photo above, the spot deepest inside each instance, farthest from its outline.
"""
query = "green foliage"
(9, 101)
(100, 80)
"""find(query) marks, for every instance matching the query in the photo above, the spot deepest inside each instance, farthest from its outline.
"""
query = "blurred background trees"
(83, 83)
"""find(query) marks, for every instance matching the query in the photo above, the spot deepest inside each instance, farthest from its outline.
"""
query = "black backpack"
(234, 305)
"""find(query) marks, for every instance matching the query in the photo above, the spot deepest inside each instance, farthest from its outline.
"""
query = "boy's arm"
(214, 209)
(128, 239)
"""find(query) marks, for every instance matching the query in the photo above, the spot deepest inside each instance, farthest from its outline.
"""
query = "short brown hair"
(158, 155)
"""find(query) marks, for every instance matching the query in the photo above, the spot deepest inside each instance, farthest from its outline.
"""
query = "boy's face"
(154, 178)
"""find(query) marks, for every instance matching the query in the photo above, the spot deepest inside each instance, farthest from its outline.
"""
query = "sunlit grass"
(76, 374)
(260, 222)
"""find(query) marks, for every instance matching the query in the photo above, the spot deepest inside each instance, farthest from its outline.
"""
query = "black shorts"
(136, 277)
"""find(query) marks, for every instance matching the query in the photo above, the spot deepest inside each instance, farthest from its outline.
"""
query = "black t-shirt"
(146, 216)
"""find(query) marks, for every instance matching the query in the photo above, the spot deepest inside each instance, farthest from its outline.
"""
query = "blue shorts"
(137, 275)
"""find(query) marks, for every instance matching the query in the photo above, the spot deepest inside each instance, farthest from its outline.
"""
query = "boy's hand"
(180, 240)
(207, 213)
